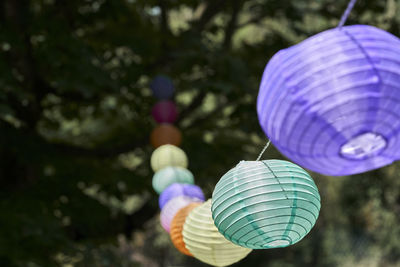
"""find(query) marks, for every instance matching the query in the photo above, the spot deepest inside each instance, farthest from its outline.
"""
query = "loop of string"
(262, 151)
(346, 13)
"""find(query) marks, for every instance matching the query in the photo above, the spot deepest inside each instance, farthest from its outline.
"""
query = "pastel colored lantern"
(162, 87)
(203, 240)
(172, 207)
(177, 228)
(168, 155)
(179, 189)
(332, 102)
(165, 112)
(168, 176)
(165, 134)
(265, 204)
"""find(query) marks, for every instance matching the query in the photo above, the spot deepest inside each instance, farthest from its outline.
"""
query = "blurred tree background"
(75, 178)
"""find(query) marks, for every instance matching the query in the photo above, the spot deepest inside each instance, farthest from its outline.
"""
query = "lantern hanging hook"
(263, 150)
(346, 13)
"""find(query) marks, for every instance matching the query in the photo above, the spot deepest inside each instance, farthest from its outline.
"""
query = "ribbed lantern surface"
(170, 175)
(180, 189)
(172, 207)
(332, 102)
(203, 240)
(265, 204)
(168, 155)
(177, 227)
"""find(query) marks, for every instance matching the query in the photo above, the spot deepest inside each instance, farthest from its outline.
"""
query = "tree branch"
(73, 150)
(207, 117)
(231, 27)
(196, 102)
(16, 14)
(135, 221)
(212, 9)
(254, 20)
(99, 152)
(163, 16)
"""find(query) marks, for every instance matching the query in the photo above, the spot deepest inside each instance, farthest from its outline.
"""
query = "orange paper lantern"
(165, 134)
(177, 227)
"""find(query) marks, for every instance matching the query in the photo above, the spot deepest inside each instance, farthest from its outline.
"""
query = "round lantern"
(162, 87)
(179, 189)
(168, 155)
(265, 204)
(165, 112)
(168, 176)
(177, 227)
(203, 240)
(332, 102)
(165, 134)
(172, 207)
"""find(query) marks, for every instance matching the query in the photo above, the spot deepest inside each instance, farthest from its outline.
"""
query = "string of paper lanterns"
(180, 200)
(329, 103)
(171, 179)
(256, 205)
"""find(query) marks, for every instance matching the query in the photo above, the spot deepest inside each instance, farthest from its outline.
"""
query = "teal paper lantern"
(170, 175)
(265, 204)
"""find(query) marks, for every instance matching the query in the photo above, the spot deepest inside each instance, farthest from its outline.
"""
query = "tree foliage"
(75, 121)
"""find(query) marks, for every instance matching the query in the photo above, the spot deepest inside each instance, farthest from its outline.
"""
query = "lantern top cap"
(263, 161)
(330, 34)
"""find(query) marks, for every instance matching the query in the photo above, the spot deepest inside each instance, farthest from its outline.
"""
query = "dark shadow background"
(75, 180)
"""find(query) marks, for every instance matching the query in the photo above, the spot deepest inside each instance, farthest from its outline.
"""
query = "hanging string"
(346, 13)
(266, 165)
(262, 151)
(269, 168)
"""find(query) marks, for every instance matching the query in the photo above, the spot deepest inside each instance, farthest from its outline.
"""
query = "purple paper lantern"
(162, 87)
(172, 207)
(176, 190)
(332, 102)
(165, 112)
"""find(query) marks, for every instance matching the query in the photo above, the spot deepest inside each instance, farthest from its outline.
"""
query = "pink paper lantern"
(165, 111)
(172, 207)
